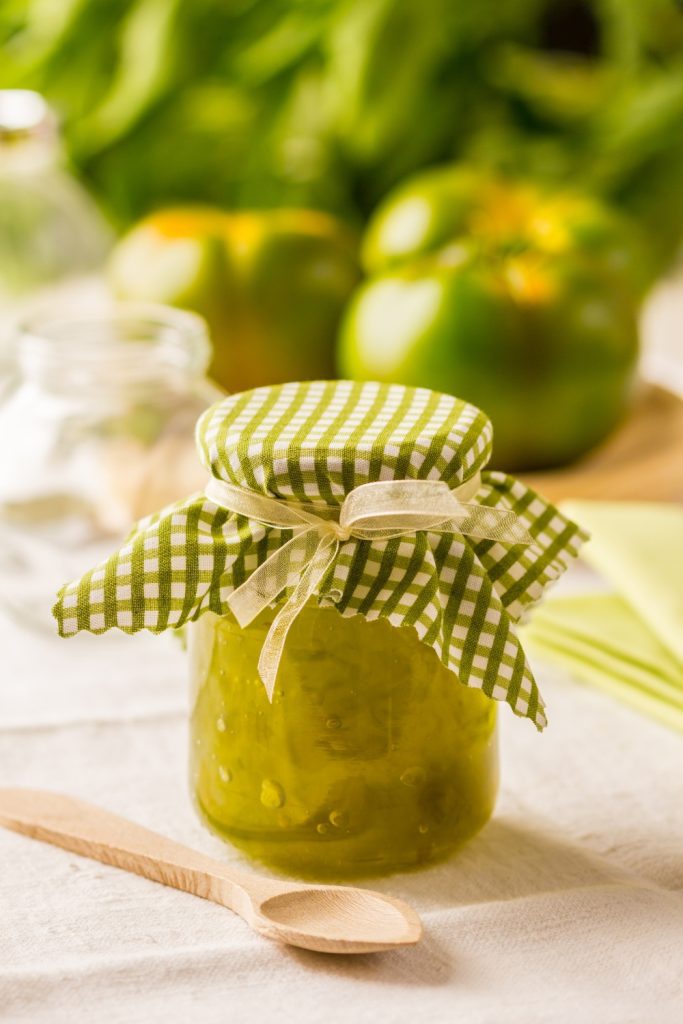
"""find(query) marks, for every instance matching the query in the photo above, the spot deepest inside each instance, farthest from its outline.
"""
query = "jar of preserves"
(351, 575)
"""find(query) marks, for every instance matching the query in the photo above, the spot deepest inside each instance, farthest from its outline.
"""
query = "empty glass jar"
(97, 431)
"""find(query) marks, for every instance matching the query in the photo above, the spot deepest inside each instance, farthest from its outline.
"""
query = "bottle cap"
(25, 115)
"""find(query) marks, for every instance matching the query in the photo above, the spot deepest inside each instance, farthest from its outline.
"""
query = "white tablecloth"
(567, 908)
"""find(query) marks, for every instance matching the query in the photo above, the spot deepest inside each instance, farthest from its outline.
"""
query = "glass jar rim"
(129, 340)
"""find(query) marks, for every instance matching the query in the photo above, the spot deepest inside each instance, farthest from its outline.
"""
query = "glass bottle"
(372, 758)
(50, 228)
(96, 431)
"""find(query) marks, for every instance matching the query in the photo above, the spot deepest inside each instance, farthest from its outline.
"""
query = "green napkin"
(630, 642)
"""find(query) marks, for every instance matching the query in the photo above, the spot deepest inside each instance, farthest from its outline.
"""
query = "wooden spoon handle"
(93, 832)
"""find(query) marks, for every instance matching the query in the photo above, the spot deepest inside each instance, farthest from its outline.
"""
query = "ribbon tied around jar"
(380, 510)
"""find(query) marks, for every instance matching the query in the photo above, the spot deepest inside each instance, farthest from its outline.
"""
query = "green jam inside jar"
(372, 757)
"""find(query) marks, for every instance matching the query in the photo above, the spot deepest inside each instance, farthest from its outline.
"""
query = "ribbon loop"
(390, 500)
(374, 511)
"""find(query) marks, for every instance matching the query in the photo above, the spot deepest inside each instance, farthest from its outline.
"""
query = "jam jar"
(350, 579)
(371, 759)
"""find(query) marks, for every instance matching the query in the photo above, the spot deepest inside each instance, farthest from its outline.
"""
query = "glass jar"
(371, 759)
(98, 431)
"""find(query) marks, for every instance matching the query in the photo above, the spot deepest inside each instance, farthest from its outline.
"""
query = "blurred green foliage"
(328, 103)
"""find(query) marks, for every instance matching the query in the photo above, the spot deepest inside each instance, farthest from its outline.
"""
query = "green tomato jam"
(372, 758)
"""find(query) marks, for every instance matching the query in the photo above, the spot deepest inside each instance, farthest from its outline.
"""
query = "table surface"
(569, 903)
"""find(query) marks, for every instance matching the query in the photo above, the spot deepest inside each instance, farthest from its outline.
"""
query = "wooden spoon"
(327, 918)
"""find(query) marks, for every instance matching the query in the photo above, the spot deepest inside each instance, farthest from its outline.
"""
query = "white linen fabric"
(567, 907)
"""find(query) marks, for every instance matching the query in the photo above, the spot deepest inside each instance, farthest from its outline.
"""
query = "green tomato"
(522, 303)
(271, 284)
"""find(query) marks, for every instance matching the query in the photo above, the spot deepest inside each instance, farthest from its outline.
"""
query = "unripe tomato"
(271, 283)
(523, 303)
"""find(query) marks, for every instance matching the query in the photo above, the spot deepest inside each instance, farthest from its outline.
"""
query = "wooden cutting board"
(641, 461)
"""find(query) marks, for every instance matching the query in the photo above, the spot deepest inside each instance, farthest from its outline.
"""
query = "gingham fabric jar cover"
(314, 442)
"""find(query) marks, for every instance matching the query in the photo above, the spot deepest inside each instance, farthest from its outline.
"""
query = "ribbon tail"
(272, 577)
(271, 652)
(488, 522)
(482, 522)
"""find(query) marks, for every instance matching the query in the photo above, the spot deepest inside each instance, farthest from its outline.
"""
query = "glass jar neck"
(129, 349)
(28, 157)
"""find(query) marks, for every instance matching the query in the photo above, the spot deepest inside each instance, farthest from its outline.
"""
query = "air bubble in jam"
(220, 724)
(338, 819)
(224, 774)
(413, 776)
(272, 794)
(321, 829)
(333, 723)
(423, 828)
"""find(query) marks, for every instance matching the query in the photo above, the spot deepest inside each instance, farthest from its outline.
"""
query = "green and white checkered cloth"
(314, 442)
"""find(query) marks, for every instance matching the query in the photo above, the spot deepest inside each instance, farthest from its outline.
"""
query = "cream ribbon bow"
(374, 511)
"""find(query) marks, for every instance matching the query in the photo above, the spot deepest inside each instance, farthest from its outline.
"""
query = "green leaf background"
(328, 103)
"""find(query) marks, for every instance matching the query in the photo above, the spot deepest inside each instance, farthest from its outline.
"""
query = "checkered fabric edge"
(315, 442)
